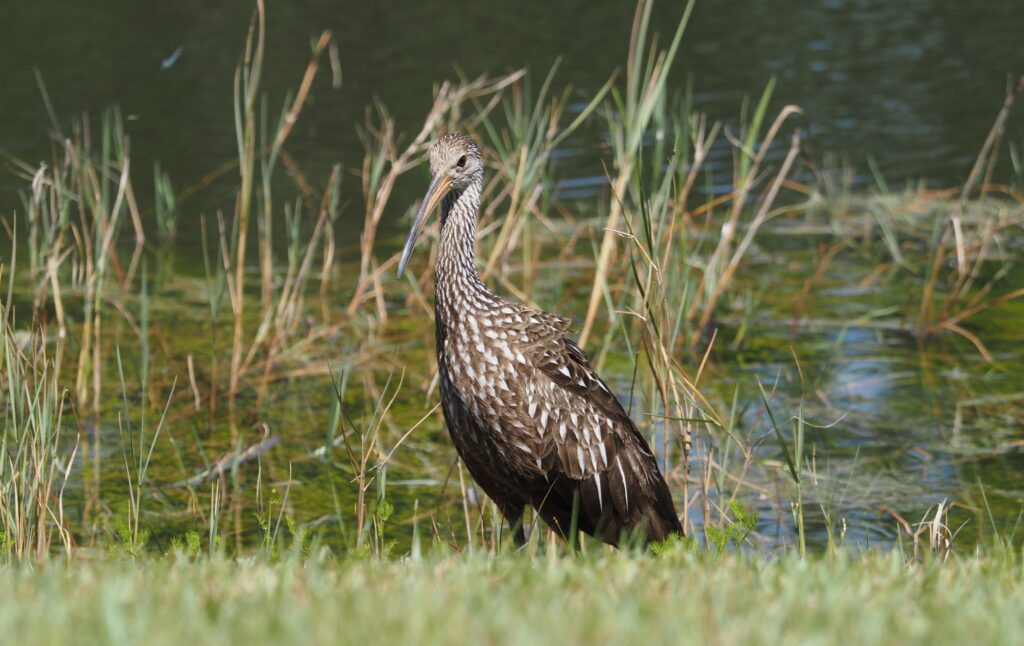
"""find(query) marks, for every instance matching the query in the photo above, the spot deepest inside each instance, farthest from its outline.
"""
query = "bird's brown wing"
(586, 437)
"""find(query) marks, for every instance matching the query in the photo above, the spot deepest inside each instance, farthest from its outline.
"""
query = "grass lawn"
(598, 598)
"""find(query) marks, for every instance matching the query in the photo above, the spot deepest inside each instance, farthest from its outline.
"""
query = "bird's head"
(457, 158)
(455, 162)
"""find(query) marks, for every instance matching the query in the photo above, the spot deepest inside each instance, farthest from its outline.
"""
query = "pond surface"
(913, 87)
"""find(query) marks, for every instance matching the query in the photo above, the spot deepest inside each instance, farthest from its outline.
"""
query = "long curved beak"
(438, 189)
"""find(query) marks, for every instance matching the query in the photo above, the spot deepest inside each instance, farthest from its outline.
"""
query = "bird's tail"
(662, 521)
(661, 525)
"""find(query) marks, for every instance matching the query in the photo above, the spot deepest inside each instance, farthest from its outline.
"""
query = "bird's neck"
(457, 281)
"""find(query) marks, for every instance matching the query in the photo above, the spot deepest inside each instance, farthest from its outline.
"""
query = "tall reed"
(35, 459)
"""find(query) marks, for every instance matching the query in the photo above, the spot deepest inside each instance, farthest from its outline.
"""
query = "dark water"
(913, 86)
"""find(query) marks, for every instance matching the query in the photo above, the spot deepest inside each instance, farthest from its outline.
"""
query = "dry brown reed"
(385, 162)
(35, 462)
(971, 249)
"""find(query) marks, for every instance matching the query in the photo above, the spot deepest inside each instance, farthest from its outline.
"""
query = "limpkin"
(531, 420)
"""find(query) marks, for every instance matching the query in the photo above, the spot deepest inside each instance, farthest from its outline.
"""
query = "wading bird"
(532, 421)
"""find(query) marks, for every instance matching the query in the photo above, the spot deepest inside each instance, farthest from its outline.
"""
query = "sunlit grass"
(679, 597)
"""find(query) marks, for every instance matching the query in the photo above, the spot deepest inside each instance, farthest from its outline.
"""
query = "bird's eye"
(462, 162)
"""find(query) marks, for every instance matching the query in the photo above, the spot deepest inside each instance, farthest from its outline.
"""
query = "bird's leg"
(574, 534)
(513, 513)
(520, 536)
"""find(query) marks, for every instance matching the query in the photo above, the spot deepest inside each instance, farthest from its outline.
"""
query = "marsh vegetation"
(821, 367)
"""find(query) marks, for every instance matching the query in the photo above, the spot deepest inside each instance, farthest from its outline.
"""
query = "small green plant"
(672, 544)
(381, 515)
(736, 530)
(301, 542)
(129, 540)
(188, 545)
(268, 528)
(165, 203)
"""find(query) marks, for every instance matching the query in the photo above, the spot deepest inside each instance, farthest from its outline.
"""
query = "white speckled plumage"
(530, 418)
